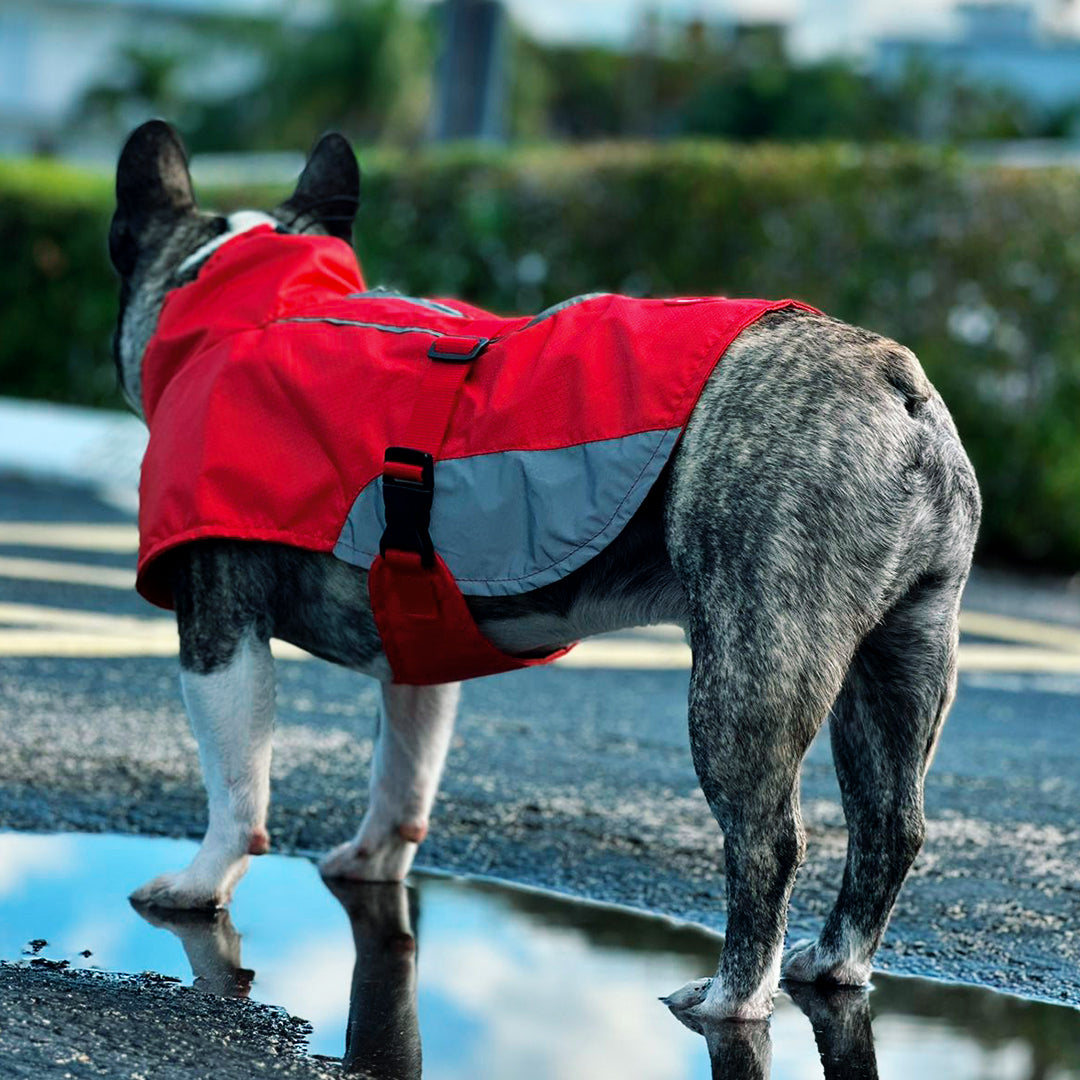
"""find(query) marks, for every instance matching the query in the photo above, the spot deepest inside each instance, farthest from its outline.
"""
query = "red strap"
(435, 399)
(428, 633)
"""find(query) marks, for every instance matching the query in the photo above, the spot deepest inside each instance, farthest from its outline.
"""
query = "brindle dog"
(812, 534)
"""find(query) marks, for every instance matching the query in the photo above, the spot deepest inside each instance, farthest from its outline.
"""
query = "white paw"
(182, 891)
(693, 993)
(208, 883)
(807, 962)
(389, 860)
(703, 1002)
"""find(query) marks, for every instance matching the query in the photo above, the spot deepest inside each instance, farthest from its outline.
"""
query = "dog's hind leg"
(884, 729)
(230, 705)
(759, 692)
(410, 751)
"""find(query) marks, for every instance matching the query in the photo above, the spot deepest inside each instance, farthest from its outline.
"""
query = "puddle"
(503, 982)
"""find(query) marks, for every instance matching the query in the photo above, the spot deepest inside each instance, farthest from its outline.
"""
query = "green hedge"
(976, 268)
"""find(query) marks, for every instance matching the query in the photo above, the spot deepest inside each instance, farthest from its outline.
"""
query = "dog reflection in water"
(212, 945)
(840, 1017)
(382, 1039)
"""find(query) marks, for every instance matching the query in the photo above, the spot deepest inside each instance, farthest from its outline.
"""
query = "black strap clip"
(408, 482)
(457, 350)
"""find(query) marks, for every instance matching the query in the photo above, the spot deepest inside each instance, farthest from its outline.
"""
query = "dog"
(812, 532)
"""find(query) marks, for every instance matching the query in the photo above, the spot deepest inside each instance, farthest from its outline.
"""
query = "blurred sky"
(817, 26)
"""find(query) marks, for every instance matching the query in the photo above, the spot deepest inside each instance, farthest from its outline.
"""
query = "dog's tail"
(905, 375)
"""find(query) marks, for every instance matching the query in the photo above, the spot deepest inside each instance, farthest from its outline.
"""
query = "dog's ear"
(328, 191)
(152, 184)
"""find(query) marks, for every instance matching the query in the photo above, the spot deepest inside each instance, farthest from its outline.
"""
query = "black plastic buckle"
(408, 504)
(447, 357)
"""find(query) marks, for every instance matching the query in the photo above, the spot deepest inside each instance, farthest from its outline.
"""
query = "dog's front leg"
(410, 751)
(231, 709)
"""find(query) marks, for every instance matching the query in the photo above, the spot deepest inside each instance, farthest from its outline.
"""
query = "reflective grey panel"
(510, 522)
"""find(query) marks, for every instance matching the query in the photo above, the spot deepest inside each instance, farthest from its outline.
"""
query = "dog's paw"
(703, 1002)
(808, 962)
(180, 892)
(686, 997)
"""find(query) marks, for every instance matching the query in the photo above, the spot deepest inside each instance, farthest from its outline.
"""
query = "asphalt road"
(576, 778)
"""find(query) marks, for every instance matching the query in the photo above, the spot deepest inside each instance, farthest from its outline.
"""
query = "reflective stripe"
(562, 305)
(366, 325)
(509, 522)
(380, 292)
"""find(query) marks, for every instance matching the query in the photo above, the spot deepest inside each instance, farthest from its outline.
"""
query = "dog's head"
(159, 237)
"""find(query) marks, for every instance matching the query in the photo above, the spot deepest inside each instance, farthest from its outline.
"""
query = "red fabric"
(269, 412)
(427, 632)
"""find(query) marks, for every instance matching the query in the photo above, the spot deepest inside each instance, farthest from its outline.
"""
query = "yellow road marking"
(63, 632)
(127, 636)
(981, 623)
(1040, 647)
(158, 638)
(105, 577)
(671, 656)
(155, 641)
(1026, 631)
(616, 653)
(115, 539)
(1017, 658)
(65, 618)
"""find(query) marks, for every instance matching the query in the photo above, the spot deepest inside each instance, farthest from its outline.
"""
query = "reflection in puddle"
(494, 982)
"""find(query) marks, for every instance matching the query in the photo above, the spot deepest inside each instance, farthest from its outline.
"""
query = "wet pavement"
(477, 980)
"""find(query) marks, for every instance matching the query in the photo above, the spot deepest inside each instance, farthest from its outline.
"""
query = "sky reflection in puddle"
(503, 983)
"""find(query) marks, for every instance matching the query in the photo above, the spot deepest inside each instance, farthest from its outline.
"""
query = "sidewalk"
(64, 443)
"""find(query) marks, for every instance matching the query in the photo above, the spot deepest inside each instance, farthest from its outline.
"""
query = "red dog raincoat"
(448, 451)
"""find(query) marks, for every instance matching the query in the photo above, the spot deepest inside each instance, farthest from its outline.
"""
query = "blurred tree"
(142, 79)
(529, 89)
(363, 68)
(584, 90)
(937, 105)
(778, 101)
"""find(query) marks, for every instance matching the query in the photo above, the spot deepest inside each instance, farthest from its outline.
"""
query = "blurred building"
(998, 44)
(53, 51)
(470, 102)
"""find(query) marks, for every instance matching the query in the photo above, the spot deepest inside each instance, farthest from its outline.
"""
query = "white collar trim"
(241, 222)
